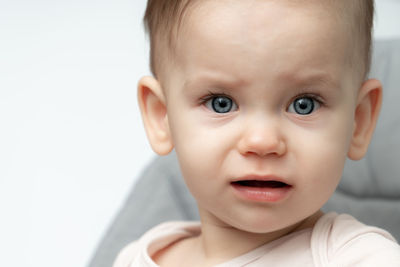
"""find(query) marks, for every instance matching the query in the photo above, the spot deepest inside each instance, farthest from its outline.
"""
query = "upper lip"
(257, 177)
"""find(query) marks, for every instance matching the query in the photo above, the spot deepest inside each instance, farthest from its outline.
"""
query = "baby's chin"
(276, 226)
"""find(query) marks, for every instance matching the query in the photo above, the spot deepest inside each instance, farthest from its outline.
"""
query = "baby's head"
(164, 19)
(262, 101)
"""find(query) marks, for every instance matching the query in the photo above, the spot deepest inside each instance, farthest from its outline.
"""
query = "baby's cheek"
(326, 167)
(193, 150)
(321, 156)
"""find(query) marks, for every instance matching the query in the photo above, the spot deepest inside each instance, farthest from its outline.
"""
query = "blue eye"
(304, 105)
(221, 104)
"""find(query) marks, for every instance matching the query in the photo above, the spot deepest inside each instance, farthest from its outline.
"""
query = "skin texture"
(263, 63)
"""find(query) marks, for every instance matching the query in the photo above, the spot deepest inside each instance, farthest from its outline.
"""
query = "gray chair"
(369, 190)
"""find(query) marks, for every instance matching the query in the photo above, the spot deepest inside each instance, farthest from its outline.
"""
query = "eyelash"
(211, 95)
(315, 96)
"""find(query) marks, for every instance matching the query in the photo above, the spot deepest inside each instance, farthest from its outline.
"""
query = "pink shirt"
(335, 240)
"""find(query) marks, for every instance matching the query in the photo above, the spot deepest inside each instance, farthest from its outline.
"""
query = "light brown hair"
(163, 19)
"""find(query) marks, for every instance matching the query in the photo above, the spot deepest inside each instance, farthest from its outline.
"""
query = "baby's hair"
(163, 19)
(361, 18)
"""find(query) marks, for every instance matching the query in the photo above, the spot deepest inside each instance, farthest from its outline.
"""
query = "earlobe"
(366, 115)
(154, 114)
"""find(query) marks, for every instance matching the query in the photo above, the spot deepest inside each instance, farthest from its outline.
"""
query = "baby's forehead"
(245, 31)
(243, 9)
(211, 19)
(234, 22)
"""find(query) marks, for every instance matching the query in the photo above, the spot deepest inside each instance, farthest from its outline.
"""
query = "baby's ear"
(366, 115)
(154, 114)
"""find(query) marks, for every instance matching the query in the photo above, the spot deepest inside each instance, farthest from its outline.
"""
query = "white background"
(71, 139)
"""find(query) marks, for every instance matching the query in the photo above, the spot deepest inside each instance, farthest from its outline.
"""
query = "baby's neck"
(220, 243)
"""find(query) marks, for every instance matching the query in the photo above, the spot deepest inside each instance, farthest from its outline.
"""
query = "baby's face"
(261, 90)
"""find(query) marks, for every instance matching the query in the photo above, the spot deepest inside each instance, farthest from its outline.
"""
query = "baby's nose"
(262, 139)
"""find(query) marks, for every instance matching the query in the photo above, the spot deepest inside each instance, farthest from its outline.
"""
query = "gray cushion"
(369, 190)
(160, 195)
(378, 174)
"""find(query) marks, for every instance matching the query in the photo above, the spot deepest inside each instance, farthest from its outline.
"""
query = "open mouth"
(260, 184)
(262, 190)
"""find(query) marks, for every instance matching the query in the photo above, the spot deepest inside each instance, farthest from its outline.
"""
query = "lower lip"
(262, 194)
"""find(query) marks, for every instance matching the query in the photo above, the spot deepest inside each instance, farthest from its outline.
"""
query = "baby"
(262, 101)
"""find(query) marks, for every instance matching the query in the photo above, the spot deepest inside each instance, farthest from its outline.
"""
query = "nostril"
(261, 143)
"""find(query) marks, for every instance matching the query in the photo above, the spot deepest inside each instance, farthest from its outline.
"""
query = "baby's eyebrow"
(214, 79)
(317, 78)
(291, 79)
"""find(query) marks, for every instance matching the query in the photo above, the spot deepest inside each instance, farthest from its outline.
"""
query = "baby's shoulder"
(342, 240)
(126, 255)
(154, 240)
